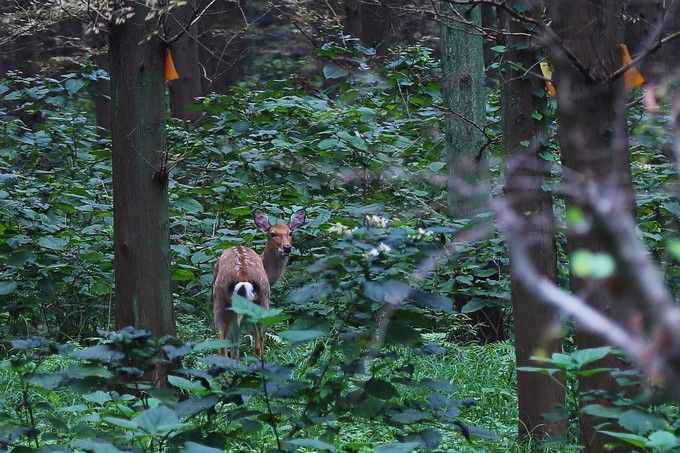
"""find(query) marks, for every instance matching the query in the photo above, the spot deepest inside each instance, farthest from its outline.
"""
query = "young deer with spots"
(240, 270)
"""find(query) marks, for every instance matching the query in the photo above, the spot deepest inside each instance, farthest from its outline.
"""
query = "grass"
(485, 374)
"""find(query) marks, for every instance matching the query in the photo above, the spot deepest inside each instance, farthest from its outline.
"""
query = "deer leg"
(233, 332)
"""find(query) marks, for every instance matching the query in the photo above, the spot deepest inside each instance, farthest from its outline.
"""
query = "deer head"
(279, 241)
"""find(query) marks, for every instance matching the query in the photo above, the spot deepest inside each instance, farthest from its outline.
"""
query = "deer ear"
(261, 220)
(297, 220)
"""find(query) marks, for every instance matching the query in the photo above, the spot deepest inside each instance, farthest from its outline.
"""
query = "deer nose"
(287, 249)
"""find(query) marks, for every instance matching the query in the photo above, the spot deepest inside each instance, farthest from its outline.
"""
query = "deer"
(241, 271)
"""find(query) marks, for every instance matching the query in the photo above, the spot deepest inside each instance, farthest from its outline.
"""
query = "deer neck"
(274, 263)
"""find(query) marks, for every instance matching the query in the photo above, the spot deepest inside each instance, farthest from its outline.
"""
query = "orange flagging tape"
(170, 71)
(632, 77)
(546, 70)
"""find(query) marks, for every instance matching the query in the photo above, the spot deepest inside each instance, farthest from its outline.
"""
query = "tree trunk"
(464, 93)
(465, 97)
(594, 146)
(185, 55)
(526, 172)
(140, 191)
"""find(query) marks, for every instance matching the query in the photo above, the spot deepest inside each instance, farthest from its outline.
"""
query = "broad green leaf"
(159, 419)
(598, 410)
(49, 381)
(7, 287)
(584, 357)
(252, 311)
(398, 447)
(186, 384)
(333, 71)
(189, 205)
(640, 422)
(52, 243)
(311, 443)
(211, 344)
(99, 397)
(663, 441)
(95, 445)
(74, 85)
(301, 336)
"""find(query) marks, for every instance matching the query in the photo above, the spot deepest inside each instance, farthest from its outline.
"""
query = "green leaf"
(475, 305)
(193, 406)
(436, 166)
(99, 353)
(662, 440)
(158, 419)
(186, 384)
(539, 370)
(311, 443)
(583, 357)
(328, 143)
(595, 265)
(7, 287)
(674, 248)
(598, 410)
(632, 439)
(189, 205)
(122, 422)
(499, 49)
(74, 85)
(640, 422)
(211, 344)
(252, 311)
(398, 447)
(47, 381)
(95, 445)
(99, 397)
(52, 243)
(333, 71)
(301, 336)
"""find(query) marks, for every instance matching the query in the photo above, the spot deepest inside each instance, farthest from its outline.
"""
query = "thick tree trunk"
(594, 146)
(526, 172)
(140, 191)
(464, 92)
(185, 54)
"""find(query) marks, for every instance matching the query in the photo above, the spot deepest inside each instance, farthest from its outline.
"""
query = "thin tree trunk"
(594, 146)
(465, 98)
(185, 54)
(140, 191)
(526, 172)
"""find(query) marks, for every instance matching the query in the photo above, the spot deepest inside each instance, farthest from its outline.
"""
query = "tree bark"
(464, 93)
(594, 146)
(140, 191)
(185, 55)
(525, 174)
